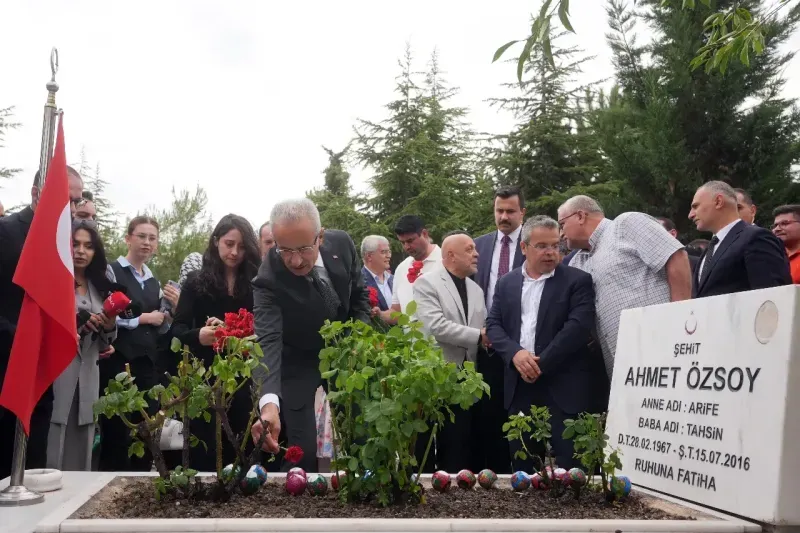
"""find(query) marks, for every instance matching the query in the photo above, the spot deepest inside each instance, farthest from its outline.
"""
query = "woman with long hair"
(222, 285)
(69, 442)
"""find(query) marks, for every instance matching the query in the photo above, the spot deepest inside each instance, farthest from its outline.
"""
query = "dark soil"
(135, 498)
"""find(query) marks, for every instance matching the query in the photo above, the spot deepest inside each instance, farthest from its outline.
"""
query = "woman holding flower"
(221, 286)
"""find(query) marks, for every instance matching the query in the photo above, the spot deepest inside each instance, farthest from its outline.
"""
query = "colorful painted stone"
(228, 473)
(296, 471)
(440, 480)
(538, 482)
(487, 478)
(520, 481)
(576, 478)
(335, 479)
(415, 478)
(250, 482)
(560, 474)
(317, 484)
(622, 483)
(260, 472)
(549, 471)
(465, 479)
(296, 485)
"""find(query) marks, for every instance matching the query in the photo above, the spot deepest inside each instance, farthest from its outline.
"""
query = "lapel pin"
(336, 257)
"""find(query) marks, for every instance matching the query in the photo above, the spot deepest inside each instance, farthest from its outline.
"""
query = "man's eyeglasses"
(384, 252)
(541, 246)
(561, 222)
(304, 251)
(783, 224)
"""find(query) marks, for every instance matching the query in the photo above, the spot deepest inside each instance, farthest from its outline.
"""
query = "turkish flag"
(46, 339)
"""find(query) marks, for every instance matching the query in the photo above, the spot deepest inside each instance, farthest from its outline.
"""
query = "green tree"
(7, 124)
(185, 227)
(422, 154)
(338, 207)
(667, 129)
(553, 150)
(107, 216)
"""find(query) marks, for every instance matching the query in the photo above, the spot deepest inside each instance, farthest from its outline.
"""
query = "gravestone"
(705, 402)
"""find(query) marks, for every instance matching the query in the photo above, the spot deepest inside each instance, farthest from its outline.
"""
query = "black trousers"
(454, 444)
(36, 456)
(490, 445)
(115, 435)
(562, 449)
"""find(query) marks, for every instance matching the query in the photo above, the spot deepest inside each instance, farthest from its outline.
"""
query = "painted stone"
(296, 471)
(440, 480)
(317, 484)
(296, 485)
(414, 478)
(260, 472)
(228, 473)
(465, 479)
(539, 483)
(560, 474)
(520, 481)
(335, 479)
(250, 483)
(623, 483)
(487, 478)
(576, 478)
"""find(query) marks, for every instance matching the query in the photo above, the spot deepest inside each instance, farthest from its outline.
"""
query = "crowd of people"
(535, 304)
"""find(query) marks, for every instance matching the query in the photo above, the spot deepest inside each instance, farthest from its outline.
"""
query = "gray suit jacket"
(440, 310)
(82, 371)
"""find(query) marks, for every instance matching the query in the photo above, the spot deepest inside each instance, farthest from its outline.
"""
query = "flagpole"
(16, 493)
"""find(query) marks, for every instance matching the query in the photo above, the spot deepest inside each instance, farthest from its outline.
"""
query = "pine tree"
(670, 128)
(421, 154)
(6, 124)
(552, 152)
(107, 217)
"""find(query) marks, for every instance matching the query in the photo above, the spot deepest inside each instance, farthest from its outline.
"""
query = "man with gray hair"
(376, 256)
(740, 256)
(540, 325)
(632, 260)
(303, 281)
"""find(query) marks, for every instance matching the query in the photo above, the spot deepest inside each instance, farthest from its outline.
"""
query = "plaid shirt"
(626, 259)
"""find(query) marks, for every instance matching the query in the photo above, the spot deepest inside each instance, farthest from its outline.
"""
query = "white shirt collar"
(543, 277)
(721, 234)
(514, 235)
(376, 276)
(319, 262)
(435, 255)
(124, 263)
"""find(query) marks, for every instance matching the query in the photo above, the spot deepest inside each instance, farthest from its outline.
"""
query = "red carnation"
(414, 271)
(373, 297)
(294, 454)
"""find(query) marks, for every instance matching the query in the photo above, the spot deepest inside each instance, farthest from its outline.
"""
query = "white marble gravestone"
(705, 401)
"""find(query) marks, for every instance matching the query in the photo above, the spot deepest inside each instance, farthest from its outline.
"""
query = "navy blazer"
(369, 281)
(563, 333)
(748, 258)
(485, 247)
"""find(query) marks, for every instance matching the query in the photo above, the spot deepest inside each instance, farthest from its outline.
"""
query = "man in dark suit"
(740, 256)
(302, 282)
(499, 252)
(540, 324)
(13, 232)
(377, 255)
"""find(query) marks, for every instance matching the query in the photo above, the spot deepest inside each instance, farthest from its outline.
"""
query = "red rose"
(414, 271)
(294, 454)
(373, 297)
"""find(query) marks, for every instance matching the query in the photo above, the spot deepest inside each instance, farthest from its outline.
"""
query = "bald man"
(452, 309)
(2, 210)
(740, 256)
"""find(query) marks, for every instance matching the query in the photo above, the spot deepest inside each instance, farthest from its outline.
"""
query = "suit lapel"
(337, 273)
(518, 257)
(485, 260)
(514, 299)
(547, 294)
(451, 288)
(722, 247)
(474, 297)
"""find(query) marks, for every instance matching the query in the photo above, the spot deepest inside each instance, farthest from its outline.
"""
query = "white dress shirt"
(383, 286)
(721, 234)
(512, 250)
(403, 292)
(532, 290)
(272, 397)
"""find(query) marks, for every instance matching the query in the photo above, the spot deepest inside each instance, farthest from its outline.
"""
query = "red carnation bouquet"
(373, 297)
(239, 325)
(414, 271)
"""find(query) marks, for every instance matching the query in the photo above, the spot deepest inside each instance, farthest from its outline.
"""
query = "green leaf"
(352, 464)
(500, 51)
(688, 4)
(175, 345)
(548, 52)
(411, 308)
(523, 57)
(563, 15)
(136, 448)
(383, 425)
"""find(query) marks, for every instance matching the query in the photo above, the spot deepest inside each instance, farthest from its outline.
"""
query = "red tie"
(505, 252)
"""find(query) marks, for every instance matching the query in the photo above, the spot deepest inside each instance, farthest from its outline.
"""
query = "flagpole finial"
(52, 86)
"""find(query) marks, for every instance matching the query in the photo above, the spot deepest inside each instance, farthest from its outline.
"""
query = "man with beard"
(423, 256)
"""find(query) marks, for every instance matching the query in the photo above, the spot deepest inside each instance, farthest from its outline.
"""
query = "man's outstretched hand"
(270, 416)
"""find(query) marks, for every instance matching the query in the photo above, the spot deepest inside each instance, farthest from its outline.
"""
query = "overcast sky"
(239, 97)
